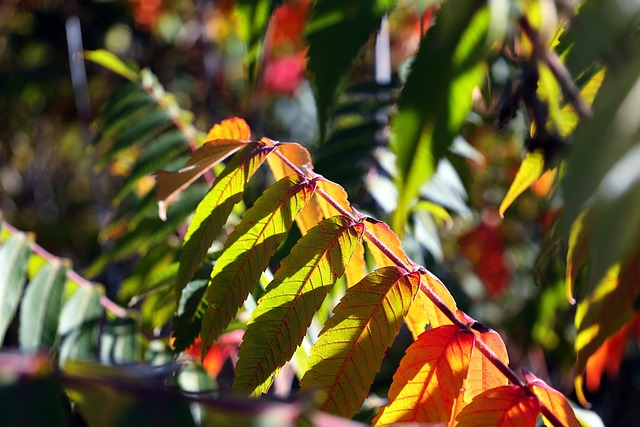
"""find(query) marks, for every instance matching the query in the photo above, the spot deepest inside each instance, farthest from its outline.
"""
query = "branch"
(71, 275)
(424, 287)
(560, 72)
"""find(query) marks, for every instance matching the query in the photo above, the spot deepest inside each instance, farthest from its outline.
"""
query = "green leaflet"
(78, 328)
(336, 33)
(41, 307)
(113, 63)
(285, 312)
(437, 96)
(344, 361)
(254, 18)
(248, 250)
(13, 266)
(213, 210)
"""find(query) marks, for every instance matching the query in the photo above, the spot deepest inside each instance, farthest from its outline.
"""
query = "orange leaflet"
(223, 140)
(506, 406)
(225, 347)
(428, 381)
(553, 400)
(608, 357)
(482, 374)
(356, 269)
(233, 128)
(170, 184)
(390, 239)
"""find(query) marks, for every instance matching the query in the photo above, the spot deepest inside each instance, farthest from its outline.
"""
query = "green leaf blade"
(215, 207)
(113, 63)
(248, 250)
(344, 361)
(41, 307)
(14, 255)
(437, 97)
(284, 313)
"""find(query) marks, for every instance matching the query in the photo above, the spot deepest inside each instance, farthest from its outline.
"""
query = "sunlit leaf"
(113, 63)
(531, 168)
(336, 32)
(169, 184)
(344, 361)
(248, 250)
(213, 210)
(428, 381)
(506, 406)
(41, 307)
(297, 155)
(299, 287)
(553, 400)
(437, 97)
(233, 128)
(14, 255)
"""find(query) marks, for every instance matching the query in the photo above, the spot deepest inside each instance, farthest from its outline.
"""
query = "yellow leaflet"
(531, 169)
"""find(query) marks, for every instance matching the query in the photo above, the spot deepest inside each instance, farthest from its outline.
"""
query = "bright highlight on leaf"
(111, 62)
(531, 169)
(248, 250)
(430, 377)
(215, 207)
(344, 361)
(297, 291)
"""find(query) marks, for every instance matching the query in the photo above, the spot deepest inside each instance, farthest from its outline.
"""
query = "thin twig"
(557, 68)
(71, 275)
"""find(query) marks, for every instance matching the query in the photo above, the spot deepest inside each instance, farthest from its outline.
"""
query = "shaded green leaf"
(119, 342)
(254, 19)
(336, 33)
(346, 357)
(437, 96)
(41, 307)
(215, 207)
(140, 131)
(79, 321)
(14, 255)
(248, 250)
(297, 291)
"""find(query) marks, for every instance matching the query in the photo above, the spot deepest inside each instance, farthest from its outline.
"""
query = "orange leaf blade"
(429, 378)
(553, 400)
(233, 128)
(170, 184)
(507, 406)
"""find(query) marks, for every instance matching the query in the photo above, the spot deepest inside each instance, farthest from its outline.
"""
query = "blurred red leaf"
(222, 349)
(484, 248)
